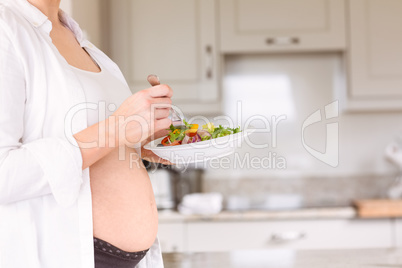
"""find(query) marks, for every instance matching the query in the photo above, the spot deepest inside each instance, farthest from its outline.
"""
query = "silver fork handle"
(154, 81)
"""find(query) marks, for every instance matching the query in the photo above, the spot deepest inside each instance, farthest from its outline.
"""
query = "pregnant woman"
(73, 190)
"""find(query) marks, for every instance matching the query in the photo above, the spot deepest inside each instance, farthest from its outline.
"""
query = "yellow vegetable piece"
(209, 127)
(175, 131)
(194, 126)
(191, 130)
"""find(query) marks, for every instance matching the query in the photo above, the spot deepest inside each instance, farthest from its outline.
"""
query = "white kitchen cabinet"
(375, 54)
(302, 234)
(174, 39)
(285, 25)
(171, 236)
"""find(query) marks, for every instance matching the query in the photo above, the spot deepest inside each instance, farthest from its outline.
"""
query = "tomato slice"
(165, 142)
(191, 132)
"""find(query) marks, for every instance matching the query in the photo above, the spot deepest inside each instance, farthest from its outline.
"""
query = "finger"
(161, 133)
(161, 113)
(162, 124)
(166, 162)
(160, 91)
(160, 103)
(165, 100)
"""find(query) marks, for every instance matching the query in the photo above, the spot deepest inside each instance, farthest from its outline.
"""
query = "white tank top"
(104, 92)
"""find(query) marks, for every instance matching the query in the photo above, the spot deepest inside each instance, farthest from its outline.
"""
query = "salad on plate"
(190, 133)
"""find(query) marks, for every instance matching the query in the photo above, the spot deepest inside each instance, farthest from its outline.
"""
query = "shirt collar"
(41, 21)
(72, 25)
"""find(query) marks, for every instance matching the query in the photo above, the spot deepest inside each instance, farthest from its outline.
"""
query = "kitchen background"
(288, 57)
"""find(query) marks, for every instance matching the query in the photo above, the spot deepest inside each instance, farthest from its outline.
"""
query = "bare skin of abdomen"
(123, 203)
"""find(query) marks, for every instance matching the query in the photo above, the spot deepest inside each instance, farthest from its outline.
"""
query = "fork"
(174, 115)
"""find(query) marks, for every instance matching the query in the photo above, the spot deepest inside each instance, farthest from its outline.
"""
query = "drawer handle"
(287, 237)
(209, 62)
(283, 40)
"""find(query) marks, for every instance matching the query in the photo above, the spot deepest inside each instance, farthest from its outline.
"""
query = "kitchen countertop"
(353, 258)
(306, 213)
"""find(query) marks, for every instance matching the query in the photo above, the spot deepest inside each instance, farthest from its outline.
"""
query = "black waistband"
(104, 250)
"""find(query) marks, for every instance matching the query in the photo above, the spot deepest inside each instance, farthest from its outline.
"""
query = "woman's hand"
(143, 114)
(148, 155)
(139, 117)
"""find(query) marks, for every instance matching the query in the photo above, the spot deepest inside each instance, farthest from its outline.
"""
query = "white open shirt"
(45, 197)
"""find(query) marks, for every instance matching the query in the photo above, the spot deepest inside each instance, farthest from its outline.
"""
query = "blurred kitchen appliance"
(163, 179)
(171, 184)
(189, 182)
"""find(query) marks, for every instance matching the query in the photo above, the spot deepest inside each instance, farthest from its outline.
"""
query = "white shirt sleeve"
(44, 166)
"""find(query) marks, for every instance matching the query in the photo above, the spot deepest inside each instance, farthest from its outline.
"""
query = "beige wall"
(87, 14)
(66, 5)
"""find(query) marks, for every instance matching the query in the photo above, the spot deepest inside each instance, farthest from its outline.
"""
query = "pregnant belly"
(123, 203)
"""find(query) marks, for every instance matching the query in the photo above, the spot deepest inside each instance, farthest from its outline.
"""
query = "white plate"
(199, 151)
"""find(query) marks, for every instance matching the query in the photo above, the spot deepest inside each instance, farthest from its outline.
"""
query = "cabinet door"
(398, 232)
(171, 237)
(319, 234)
(174, 39)
(375, 56)
(282, 25)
